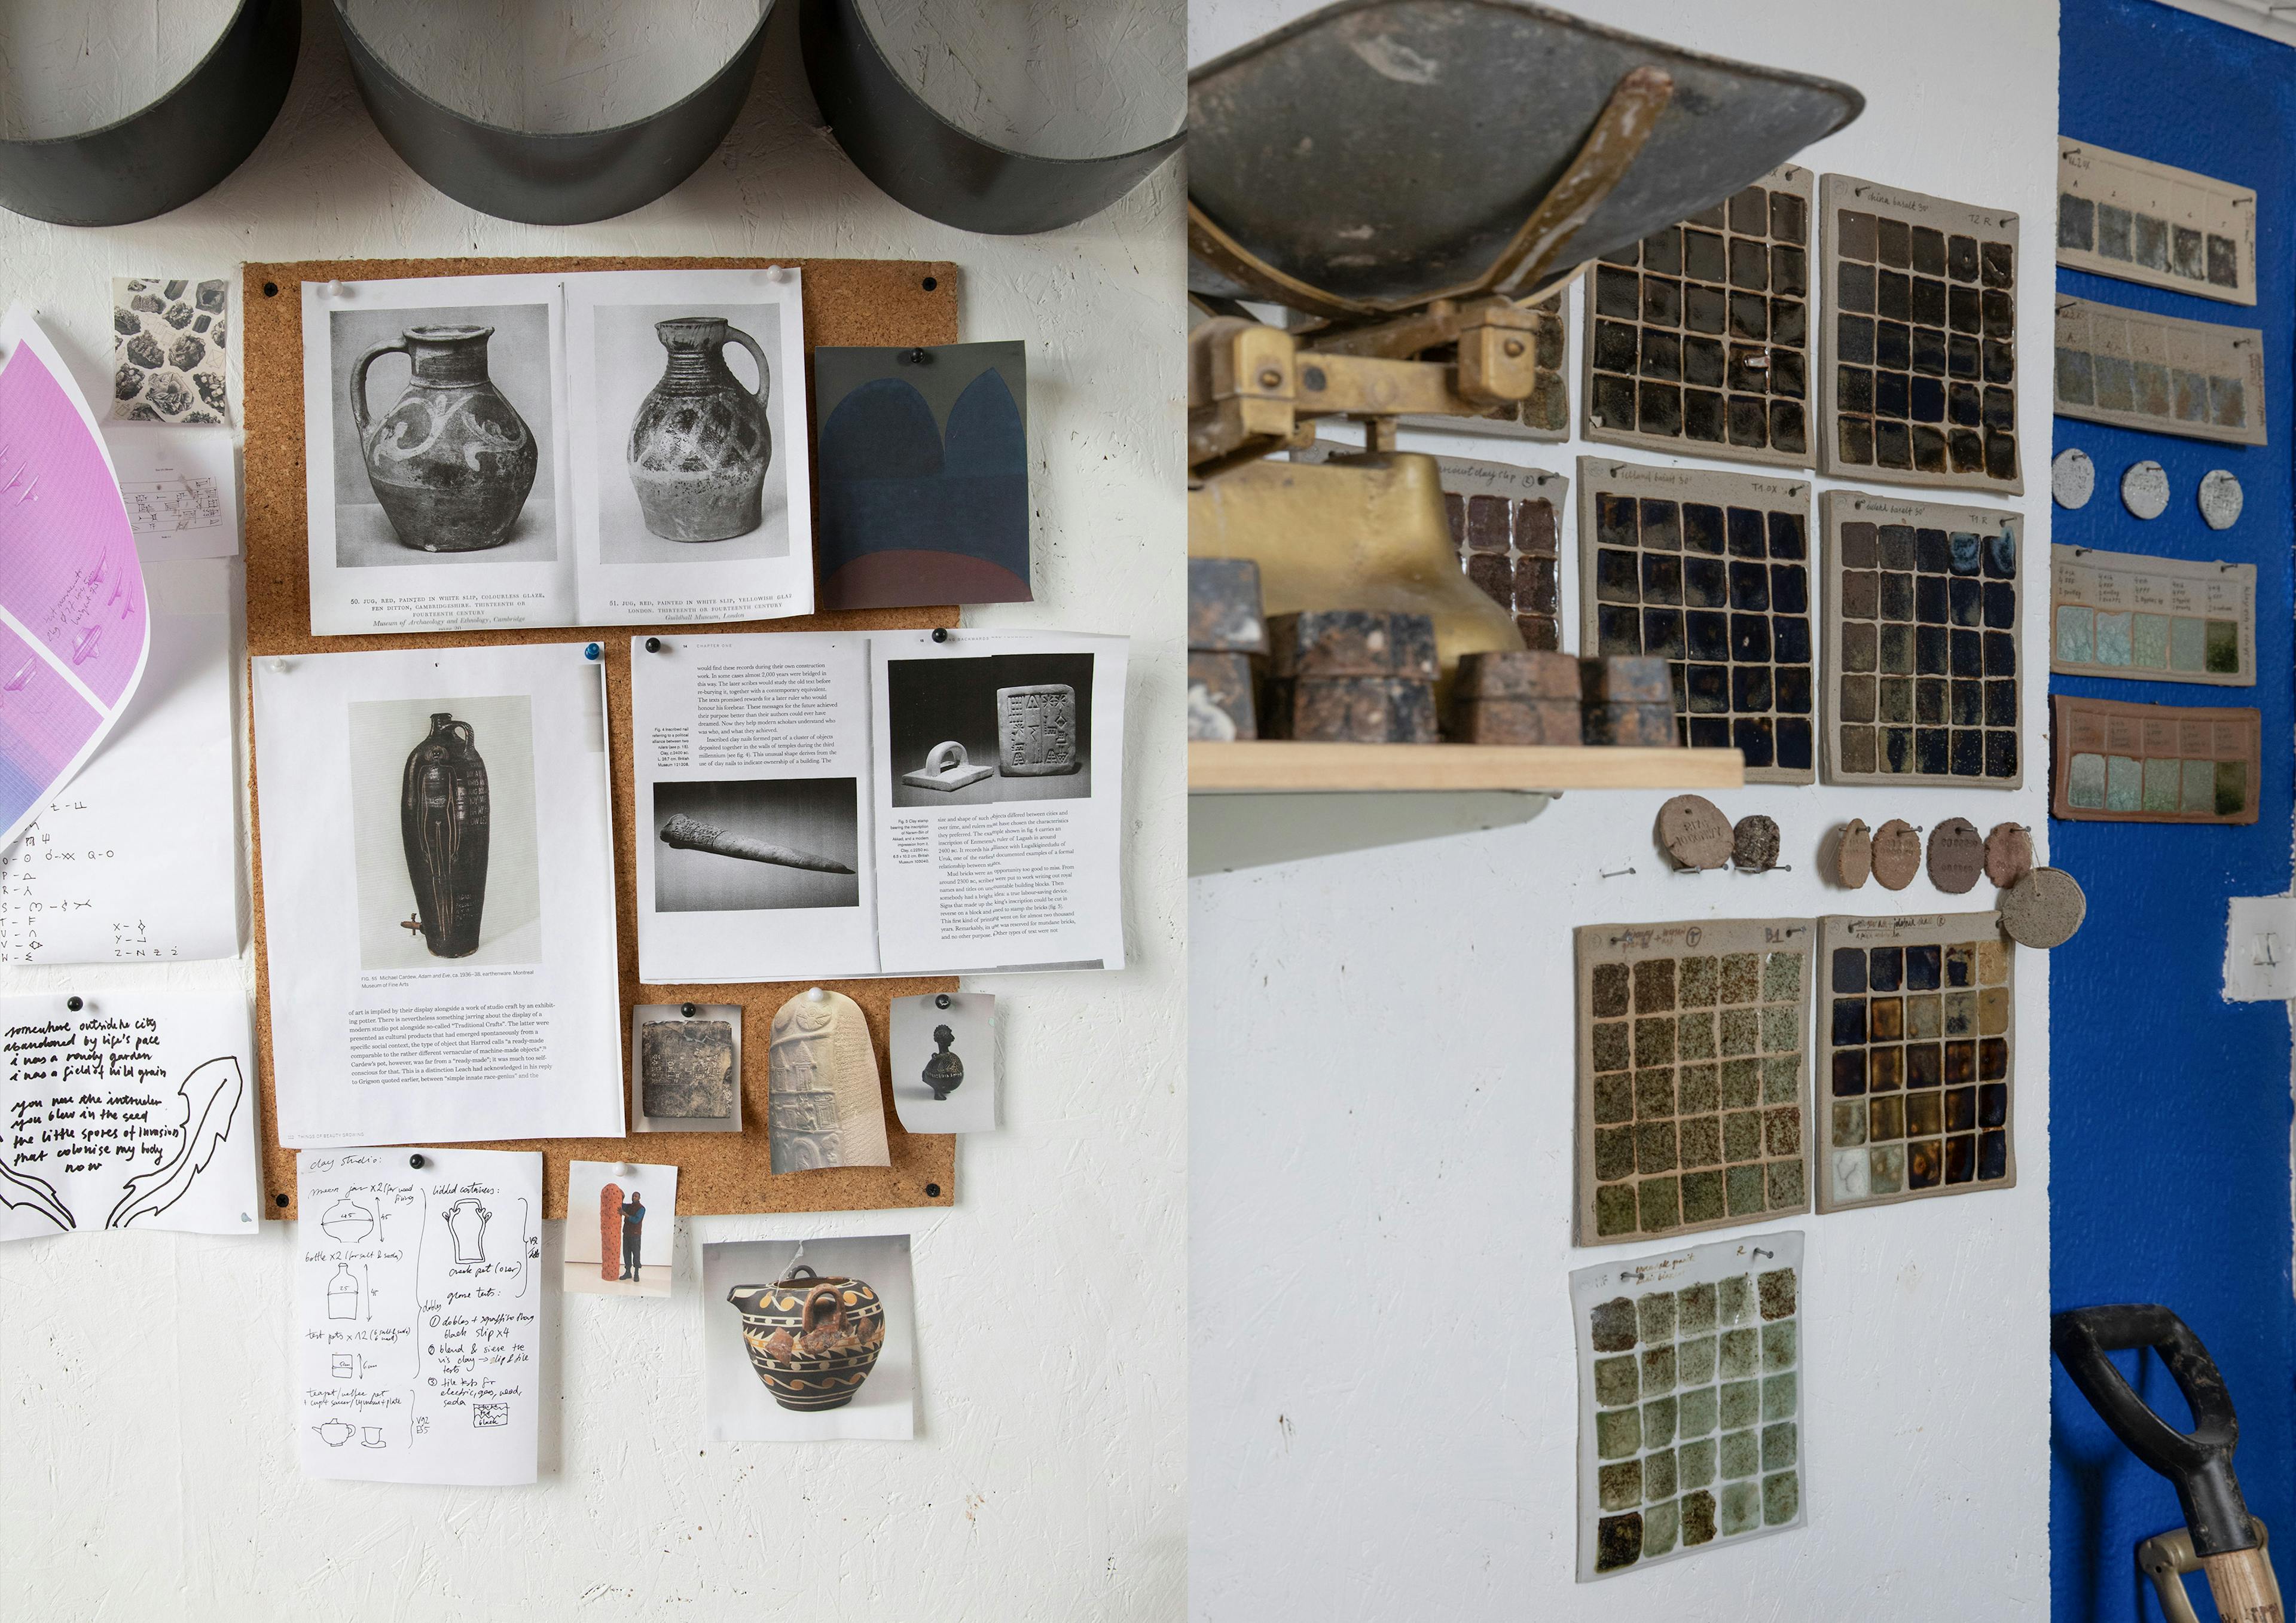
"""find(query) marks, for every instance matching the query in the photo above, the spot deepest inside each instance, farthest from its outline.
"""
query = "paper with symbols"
(420, 1294)
(181, 488)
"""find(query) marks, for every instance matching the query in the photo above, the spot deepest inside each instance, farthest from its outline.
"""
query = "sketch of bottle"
(443, 821)
(342, 1293)
(466, 1223)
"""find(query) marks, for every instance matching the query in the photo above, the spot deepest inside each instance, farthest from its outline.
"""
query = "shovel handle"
(2241, 1583)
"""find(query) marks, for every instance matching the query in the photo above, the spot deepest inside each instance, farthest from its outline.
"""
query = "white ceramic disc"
(2221, 499)
(2072, 478)
(2145, 489)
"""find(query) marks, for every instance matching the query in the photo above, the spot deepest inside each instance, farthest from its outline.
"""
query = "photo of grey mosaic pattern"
(168, 357)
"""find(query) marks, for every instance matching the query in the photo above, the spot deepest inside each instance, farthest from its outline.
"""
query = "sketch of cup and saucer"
(370, 1437)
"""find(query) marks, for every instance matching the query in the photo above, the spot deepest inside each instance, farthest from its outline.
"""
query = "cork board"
(847, 301)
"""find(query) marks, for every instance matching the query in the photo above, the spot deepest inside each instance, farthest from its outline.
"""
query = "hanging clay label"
(1694, 833)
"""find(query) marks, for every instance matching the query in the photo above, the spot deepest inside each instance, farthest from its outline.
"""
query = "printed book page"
(426, 982)
(556, 449)
(419, 1290)
(136, 859)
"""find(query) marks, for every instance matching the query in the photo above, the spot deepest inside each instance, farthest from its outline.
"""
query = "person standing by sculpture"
(633, 1227)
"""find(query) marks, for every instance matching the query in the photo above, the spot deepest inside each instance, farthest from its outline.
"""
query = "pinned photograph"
(755, 844)
(822, 1106)
(944, 1051)
(169, 349)
(631, 1248)
(924, 475)
(685, 1068)
(1000, 728)
(810, 1341)
(443, 825)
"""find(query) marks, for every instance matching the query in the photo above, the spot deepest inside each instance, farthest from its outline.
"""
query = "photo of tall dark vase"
(452, 462)
(701, 445)
(443, 819)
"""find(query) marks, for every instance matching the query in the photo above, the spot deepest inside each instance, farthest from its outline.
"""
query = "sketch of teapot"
(335, 1433)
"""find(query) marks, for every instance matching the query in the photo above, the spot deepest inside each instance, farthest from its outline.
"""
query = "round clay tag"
(2044, 908)
(1897, 854)
(2221, 499)
(1754, 844)
(2145, 489)
(2072, 478)
(1853, 854)
(1694, 831)
(1956, 856)
(2008, 854)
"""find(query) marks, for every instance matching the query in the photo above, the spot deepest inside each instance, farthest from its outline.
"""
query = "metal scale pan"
(1379, 154)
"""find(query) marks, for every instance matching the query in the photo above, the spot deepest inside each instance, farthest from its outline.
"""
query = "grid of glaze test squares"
(1916, 1034)
(2117, 762)
(1924, 642)
(1920, 358)
(1710, 572)
(1698, 336)
(1690, 1401)
(1692, 1075)
(1503, 520)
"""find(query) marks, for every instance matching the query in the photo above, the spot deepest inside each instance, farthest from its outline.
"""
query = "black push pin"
(940, 633)
(943, 1001)
(688, 1010)
(917, 358)
(416, 1161)
(654, 644)
(594, 652)
(74, 1005)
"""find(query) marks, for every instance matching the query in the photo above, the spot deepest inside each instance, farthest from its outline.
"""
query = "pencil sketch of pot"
(700, 444)
(443, 821)
(452, 462)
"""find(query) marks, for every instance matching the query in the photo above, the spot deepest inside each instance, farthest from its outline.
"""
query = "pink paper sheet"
(74, 625)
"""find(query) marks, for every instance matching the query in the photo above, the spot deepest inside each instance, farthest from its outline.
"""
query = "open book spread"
(563, 449)
(828, 806)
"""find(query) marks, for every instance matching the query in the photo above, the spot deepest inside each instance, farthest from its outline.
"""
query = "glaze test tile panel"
(1698, 336)
(1504, 520)
(1917, 382)
(1690, 1411)
(1546, 415)
(2117, 762)
(2161, 619)
(2133, 369)
(1709, 572)
(2141, 221)
(1924, 647)
(1693, 1076)
(1917, 1059)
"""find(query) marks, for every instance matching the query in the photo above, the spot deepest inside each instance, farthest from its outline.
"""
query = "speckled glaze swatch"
(2154, 763)
(1694, 1075)
(1690, 1409)
(168, 350)
(2160, 619)
(2139, 369)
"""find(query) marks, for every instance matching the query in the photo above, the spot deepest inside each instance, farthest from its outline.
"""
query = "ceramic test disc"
(1694, 831)
(2044, 908)
(1853, 854)
(2145, 489)
(1956, 856)
(2072, 478)
(2221, 499)
(2008, 854)
(1754, 844)
(1897, 854)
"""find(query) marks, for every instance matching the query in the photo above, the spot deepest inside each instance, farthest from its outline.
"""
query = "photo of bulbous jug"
(700, 444)
(452, 462)
(443, 820)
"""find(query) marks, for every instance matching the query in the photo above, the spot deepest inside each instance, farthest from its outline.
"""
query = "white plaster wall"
(147, 1468)
(1383, 1397)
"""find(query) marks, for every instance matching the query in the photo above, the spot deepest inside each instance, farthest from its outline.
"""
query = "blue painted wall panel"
(2169, 1134)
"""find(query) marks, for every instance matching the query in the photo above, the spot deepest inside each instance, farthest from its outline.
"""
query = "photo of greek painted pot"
(700, 445)
(813, 1340)
(443, 820)
(452, 462)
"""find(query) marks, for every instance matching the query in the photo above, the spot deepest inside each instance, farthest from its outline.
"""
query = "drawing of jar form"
(466, 1224)
(443, 822)
(700, 444)
(944, 1072)
(452, 462)
(1037, 730)
(342, 1293)
(813, 1340)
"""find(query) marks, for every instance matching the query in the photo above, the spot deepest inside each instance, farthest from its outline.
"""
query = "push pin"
(280, 667)
(74, 1005)
(943, 1001)
(688, 1010)
(594, 652)
(418, 1162)
(940, 633)
(917, 358)
(654, 644)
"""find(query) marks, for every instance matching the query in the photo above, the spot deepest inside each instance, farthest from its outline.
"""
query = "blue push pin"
(594, 652)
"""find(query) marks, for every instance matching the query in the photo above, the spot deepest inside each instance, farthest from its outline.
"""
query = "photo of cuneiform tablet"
(2137, 370)
(1923, 644)
(2163, 619)
(1916, 1052)
(1917, 381)
(1546, 414)
(1710, 572)
(2154, 763)
(1504, 522)
(1689, 1400)
(1694, 1075)
(2141, 221)
(1698, 336)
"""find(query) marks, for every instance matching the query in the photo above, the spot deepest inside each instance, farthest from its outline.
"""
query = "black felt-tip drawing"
(211, 1096)
(466, 1223)
(29, 1193)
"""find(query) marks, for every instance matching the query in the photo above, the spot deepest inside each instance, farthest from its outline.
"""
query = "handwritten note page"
(132, 1111)
(136, 859)
(74, 627)
(421, 1297)
(181, 488)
